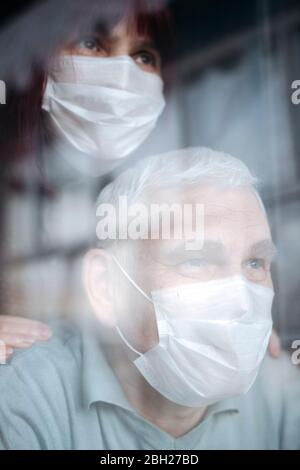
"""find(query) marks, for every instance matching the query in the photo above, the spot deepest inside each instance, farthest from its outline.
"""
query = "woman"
(95, 101)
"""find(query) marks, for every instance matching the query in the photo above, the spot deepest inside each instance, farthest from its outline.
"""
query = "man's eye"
(194, 263)
(198, 268)
(256, 263)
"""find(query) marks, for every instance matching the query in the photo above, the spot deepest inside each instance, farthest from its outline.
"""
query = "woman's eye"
(146, 59)
(91, 44)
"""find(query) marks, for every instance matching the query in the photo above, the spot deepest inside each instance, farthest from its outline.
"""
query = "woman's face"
(120, 41)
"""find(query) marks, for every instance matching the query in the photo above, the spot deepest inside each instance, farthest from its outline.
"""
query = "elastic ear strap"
(131, 280)
(127, 343)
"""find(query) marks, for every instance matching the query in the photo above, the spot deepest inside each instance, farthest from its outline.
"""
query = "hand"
(274, 347)
(18, 332)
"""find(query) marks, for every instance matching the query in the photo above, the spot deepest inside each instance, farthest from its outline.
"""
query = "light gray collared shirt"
(63, 394)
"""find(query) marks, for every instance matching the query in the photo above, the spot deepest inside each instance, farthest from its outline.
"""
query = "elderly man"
(174, 355)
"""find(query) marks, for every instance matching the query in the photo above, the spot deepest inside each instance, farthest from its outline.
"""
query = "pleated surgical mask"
(213, 337)
(104, 107)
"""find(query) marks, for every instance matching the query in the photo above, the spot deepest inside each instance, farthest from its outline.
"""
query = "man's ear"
(97, 281)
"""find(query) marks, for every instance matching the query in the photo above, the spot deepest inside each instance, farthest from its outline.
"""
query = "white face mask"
(212, 339)
(104, 107)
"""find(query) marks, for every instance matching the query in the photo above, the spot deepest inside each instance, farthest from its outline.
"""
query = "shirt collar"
(99, 382)
(227, 405)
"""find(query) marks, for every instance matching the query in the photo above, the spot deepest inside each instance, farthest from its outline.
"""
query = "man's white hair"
(177, 169)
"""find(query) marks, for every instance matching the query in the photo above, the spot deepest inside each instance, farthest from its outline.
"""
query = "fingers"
(5, 353)
(24, 328)
(274, 345)
(5, 357)
(20, 333)
(17, 341)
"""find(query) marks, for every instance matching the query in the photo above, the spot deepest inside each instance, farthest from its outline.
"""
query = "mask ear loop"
(131, 280)
(141, 291)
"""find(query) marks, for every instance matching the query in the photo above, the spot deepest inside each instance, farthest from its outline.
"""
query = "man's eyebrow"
(265, 248)
(209, 248)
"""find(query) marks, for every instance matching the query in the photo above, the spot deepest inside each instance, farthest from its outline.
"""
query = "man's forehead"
(221, 206)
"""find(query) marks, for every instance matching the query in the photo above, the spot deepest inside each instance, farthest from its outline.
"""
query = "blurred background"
(231, 73)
